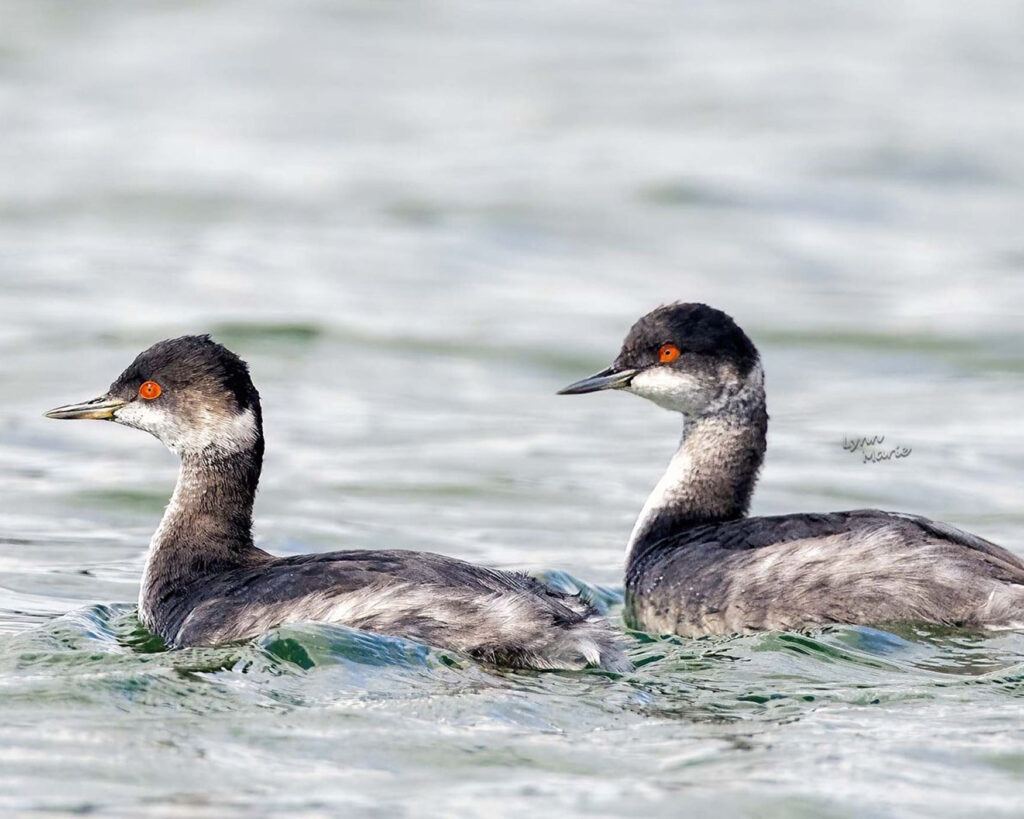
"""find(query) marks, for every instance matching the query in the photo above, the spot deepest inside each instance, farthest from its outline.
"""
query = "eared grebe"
(205, 582)
(696, 565)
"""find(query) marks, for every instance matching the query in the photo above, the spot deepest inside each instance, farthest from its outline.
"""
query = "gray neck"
(712, 475)
(206, 528)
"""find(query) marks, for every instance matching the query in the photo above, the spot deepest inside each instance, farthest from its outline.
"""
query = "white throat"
(186, 490)
(713, 471)
(198, 448)
(666, 494)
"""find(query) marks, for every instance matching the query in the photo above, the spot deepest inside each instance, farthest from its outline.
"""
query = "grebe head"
(190, 392)
(689, 358)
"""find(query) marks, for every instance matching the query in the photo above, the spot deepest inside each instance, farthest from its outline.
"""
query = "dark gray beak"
(612, 378)
(99, 409)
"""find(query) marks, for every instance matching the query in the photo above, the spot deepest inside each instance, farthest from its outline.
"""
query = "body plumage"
(696, 564)
(206, 583)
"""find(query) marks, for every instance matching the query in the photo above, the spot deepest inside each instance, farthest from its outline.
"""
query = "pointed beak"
(100, 409)
(612, 378)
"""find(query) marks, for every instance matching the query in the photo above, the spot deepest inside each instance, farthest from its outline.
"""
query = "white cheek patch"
(226, 433)
(229, 433)
(692, 395)
(669, 388)
(144, 416)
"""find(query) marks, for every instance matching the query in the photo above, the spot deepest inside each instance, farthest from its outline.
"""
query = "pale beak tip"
(99, 409)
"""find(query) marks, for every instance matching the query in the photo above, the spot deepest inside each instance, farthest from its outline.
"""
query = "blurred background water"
(419, 220)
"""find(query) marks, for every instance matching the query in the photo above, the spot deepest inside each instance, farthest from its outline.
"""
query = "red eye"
(668, 353)
(150, 390)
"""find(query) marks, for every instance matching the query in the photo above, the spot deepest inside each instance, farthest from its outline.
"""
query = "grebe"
(697, 565)
(206, 583)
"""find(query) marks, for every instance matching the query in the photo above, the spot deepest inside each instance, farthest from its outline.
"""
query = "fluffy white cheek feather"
(668, 388)
(145, 417)
(228, 433)
(694, 395)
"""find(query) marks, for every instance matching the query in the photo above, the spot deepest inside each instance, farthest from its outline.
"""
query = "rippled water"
(417, 221)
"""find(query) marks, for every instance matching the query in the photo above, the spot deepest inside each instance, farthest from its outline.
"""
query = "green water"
(324, 718)
(417, 222)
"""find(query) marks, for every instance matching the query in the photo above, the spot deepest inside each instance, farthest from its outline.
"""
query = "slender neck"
(207, 526)
(712, 475)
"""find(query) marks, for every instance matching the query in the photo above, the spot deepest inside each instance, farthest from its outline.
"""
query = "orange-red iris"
(668, 353)
(150, 390)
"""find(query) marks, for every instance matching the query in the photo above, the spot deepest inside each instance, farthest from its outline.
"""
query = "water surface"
(419, 221)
